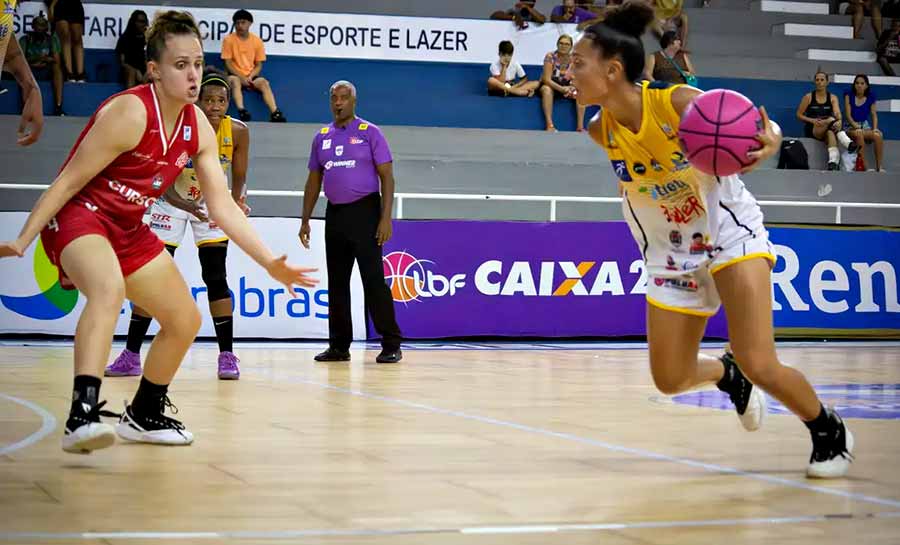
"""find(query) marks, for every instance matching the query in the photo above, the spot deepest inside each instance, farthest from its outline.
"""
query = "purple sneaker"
(128, 364)
(228, 366)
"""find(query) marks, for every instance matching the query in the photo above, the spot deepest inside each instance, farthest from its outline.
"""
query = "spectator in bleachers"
(670, 15)
(521, 14)
(67, 17)
(130, 50)
(862, 119)
(888, 48)
(859, 9)
(556, 83)
(568, 12)
(244, 54)
(671, 63)
(41, 50)
(820, 112)
(508, 77)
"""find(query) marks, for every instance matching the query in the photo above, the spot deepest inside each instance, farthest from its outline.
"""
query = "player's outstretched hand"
(770, 140)
(11, 248)
(291, 275)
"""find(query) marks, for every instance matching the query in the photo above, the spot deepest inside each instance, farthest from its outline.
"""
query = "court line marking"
(713, 468)
(467, 530)
(48, 424)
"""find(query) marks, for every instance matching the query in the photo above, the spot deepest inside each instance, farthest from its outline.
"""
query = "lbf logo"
(411, 281)
(52, 302)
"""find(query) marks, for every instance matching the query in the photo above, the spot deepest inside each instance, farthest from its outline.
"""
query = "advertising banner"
(31, 300)
(335, 35)
(465, 278)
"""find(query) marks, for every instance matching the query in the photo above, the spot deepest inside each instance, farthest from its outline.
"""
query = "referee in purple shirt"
(352, 159)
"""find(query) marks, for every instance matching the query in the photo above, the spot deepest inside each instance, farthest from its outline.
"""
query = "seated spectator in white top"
(520, 14)
(508, 77)
(569, 13)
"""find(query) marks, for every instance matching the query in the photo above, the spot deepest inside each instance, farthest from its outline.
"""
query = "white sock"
(833, 155)
(843, 139)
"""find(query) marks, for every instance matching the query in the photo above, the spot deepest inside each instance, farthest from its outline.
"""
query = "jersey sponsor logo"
(160, 217)
(679, 161)
(363, 126)
(91, 207)
(131, 195)
(621, 169)
(675, 238)
(190, 163)
(4, 30)
(639, 169)
(684, 212)
(666, 192)
(226, 141)
(187, 133)
(339, 150)
(700, 244)
(670, 263)
(655, 165)
(139, 155)
(326, 144)
(157, 181)
(182, 160)
(324, 130)
(356, 140)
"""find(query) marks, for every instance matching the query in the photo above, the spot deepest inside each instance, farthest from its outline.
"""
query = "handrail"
(553, 200)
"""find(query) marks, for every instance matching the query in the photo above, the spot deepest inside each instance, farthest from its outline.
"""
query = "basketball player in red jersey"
(131, 151)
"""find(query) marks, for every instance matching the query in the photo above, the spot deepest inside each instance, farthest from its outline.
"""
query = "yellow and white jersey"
(6, 27)
(681, 218)
(186, 185)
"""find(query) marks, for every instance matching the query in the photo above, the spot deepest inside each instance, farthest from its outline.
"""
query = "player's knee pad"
(212, 265)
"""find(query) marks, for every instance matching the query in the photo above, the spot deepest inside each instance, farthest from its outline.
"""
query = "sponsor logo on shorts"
(682, 284)
(160, 217)
(160, 226)
(684, 212)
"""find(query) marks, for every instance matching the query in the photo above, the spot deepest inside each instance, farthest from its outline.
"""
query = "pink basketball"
(718, 129)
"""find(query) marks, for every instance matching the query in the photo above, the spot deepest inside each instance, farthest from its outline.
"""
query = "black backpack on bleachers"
(793, 156)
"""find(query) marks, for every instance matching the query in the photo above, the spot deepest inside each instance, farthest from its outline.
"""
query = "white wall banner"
(32, 302)
(351, 36)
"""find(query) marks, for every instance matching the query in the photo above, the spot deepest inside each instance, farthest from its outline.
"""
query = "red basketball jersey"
(129, 185)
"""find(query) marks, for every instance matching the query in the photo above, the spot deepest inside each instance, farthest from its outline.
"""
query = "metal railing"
(553, 200)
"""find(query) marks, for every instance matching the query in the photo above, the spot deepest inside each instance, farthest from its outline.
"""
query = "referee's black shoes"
(393, 355)
(333, 355)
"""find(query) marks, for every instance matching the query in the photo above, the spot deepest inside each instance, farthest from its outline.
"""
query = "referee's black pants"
(350, 236)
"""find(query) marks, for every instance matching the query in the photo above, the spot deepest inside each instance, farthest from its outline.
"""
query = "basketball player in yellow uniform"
(702, 239)
(13, 61)
(183, 205)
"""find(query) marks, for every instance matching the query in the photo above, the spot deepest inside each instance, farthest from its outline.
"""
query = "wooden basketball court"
(482, 445)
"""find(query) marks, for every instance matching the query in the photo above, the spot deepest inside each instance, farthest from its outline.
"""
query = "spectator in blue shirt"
(862, 119)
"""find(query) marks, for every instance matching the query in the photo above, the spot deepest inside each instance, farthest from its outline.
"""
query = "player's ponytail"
(620, 35)
(165, 24)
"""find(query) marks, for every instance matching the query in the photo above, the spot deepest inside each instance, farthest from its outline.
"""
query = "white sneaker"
(832, 453)
(89, 437)
(84, 431)
(749, 400)
(755, 412)
(157, 429)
